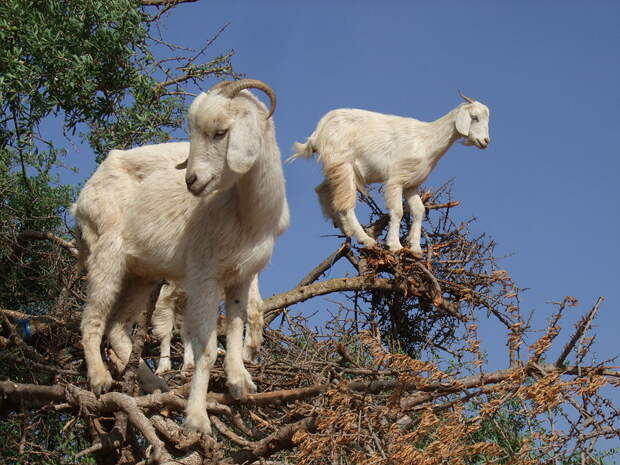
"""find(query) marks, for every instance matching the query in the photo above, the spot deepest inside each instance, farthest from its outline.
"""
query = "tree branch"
(48, 236)
(164, 2)
(325, 265)
(275, 442)
(303, 293)
(582, 327)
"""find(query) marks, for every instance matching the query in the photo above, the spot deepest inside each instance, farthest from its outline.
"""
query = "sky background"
(546, 188)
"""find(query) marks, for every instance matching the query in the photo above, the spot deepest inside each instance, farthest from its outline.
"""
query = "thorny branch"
(368, 388)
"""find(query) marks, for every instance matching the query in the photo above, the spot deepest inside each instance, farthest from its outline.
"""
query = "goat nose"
(189, 180)
(487, 141)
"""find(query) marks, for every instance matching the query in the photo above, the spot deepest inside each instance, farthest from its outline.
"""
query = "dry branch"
(275, 442)
(349, 393)
(48, 236)
(359, 283)
(325, 265)
(582, 327)
(164, 2)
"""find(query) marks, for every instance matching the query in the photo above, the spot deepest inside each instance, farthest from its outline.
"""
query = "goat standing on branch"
(139, 225)
(359, 147)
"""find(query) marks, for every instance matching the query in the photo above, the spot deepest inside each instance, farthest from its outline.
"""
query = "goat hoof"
(200, 423)
(249, 354)
(187, 368)
(395, 247)
(417, 252)
(101, 382)
(369, 244)
(163, 367)
(241, 386)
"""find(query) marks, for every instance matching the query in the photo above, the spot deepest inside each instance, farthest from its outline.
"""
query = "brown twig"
(303, 293)
(48, 236)
(582, 327)
(325, 265)
(164, 2)
(275, 442)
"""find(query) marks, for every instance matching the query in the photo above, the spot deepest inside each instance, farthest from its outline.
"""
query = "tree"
(397, 376)
(88, 65)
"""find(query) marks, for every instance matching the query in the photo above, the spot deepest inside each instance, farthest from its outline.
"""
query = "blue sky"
(546, 189)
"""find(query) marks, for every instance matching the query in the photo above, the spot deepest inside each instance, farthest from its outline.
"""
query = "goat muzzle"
(189, 180)
(483, 143)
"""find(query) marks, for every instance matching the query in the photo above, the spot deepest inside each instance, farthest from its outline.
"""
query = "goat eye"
(220, 134)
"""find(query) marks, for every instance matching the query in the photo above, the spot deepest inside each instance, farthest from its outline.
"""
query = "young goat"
(168, 315)
(139, 225)
(359, 147)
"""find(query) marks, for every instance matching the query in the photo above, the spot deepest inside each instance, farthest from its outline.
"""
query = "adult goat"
(139, 225)
(359, 147)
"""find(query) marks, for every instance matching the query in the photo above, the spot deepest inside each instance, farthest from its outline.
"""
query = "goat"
(359, 147)
(168, 314)
(139, 225)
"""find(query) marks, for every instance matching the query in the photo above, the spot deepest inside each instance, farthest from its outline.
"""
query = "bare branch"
(164, 2)
(280, 440)
(325, 265)
(38, 235)
(582, 327)
(303, 293)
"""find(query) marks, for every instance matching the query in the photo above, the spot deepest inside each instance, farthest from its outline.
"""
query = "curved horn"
(235, 87)
(465, 97)
(219, 85)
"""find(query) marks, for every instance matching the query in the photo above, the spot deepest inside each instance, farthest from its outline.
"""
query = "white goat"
(359, 147)
(139, 225)
(168, 315)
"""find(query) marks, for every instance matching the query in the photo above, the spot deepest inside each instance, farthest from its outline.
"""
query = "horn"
(465, 97)
(219, 85)
(235, 87)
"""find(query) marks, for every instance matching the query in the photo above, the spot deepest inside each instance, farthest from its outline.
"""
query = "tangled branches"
(396, 376)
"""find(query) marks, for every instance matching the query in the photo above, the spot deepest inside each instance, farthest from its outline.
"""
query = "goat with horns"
(139, 224)
(359, 147)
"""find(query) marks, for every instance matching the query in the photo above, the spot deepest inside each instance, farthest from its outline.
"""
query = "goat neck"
(442, 134)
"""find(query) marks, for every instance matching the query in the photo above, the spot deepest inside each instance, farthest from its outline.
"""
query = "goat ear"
(243, 145)
(182, 165)
(463, 121)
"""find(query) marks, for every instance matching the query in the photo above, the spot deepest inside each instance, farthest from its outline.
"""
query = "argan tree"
(396, 376)
(88, 68)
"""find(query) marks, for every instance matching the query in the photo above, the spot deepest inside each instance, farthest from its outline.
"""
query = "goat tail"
(302, 150)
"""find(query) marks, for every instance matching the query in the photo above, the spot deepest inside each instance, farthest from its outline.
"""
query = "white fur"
(359, 147)
(168, 316)
(139, 225)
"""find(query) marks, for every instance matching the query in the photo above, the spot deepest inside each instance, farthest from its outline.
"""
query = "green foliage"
(87, 68)
(32, 438)
(507, 428)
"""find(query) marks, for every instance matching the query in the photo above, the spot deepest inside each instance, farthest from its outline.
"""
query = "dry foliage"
(396, 376)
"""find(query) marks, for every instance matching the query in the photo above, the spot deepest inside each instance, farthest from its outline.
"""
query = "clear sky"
(546, 189)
